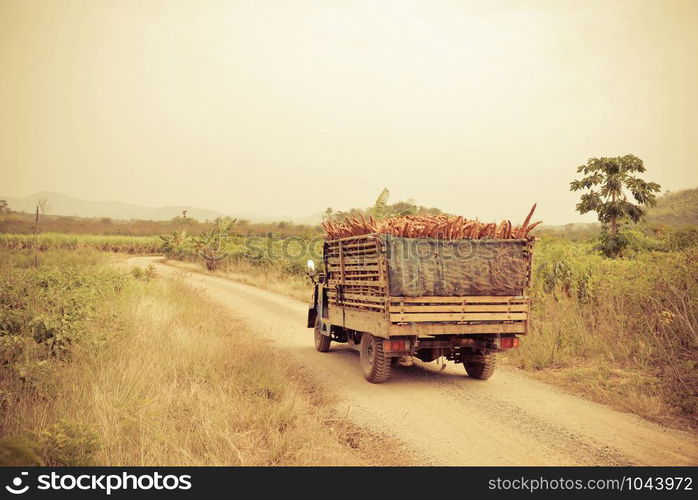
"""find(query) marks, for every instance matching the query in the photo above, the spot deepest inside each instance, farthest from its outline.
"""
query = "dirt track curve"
(446, 418)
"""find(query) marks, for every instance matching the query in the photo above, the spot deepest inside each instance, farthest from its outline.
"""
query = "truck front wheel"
(322, 341)
(374, 363)
(483, 370)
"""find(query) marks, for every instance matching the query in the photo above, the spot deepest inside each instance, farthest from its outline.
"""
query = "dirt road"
(446, 418)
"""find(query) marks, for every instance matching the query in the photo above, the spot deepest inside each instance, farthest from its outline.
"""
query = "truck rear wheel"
(374, 363)
(482, 371)
(322, 341)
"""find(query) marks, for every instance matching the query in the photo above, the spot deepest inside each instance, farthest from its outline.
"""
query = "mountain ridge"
(67, 205)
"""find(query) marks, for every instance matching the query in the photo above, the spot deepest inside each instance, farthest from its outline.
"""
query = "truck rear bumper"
(408, 346)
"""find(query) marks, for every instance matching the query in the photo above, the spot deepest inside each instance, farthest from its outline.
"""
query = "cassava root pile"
(430, 226)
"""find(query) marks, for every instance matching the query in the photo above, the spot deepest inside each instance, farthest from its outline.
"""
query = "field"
(623, 332)
(105, 365)
(23, 223)
(60, 241)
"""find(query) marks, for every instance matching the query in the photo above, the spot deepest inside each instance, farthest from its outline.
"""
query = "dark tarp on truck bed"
(429, 267)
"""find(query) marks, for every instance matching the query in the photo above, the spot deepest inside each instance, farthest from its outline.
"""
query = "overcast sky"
(288, 107)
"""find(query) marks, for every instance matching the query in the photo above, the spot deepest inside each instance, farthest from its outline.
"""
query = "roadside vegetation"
(105, 365)
(622, 331)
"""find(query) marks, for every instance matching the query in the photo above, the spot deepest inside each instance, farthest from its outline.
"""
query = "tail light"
(394, 345)
(508, 342)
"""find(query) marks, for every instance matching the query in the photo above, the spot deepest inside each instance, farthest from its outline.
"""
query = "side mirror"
(311, 268)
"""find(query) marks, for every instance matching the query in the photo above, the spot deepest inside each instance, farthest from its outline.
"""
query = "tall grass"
(154, 374)
(623, 331)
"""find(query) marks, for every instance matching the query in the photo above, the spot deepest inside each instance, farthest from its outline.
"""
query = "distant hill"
(62, 204)
(675, 209)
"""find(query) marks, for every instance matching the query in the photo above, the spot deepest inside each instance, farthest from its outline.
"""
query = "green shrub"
(637, 241)
(640, 313)
(683, 238)
(46, 313)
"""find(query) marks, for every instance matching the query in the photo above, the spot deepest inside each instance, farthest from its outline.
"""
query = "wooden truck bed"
(358, 286)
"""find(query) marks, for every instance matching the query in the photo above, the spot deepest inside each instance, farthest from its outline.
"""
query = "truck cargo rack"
(359, 298)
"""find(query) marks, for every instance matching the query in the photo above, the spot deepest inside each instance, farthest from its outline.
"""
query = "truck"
(394, 299)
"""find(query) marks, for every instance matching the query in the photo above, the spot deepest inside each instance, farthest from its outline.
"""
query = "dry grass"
(266, 278)
(181, 382)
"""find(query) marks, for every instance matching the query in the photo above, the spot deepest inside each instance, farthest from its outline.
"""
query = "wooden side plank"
(354, 262)
(456, 308)
(361, 274)
(356, 296)
(354, 247)
(362, 321)
(355, 282)
(355, 303)
(420, 317)
(432, 330)
(459, 300)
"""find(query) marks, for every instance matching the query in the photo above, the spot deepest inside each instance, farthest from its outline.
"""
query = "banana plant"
(176, 244)
(210, 245)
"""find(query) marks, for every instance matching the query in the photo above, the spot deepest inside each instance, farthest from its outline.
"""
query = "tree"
(3, 206)
(408, 207)
(44, 205)
(381, 209)
(327, 214)
(608, 181)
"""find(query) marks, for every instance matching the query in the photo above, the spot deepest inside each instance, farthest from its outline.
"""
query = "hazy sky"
(288, 107)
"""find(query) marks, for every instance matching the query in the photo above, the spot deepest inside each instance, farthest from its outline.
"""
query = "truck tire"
(322, 341)
(482, 371)
(374, 363)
